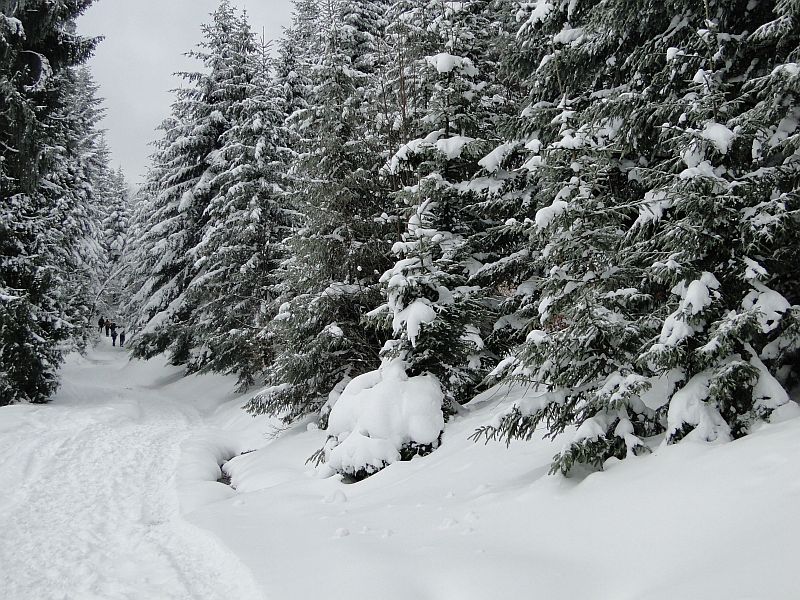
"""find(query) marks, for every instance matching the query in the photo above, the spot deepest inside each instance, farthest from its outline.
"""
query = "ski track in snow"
(88, 507)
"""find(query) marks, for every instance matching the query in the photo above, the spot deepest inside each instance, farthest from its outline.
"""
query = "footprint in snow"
(472, 517)
(337, 497)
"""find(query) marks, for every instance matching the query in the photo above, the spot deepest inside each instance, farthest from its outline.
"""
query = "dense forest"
(402, 203)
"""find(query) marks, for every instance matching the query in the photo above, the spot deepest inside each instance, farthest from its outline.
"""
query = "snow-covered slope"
(472, 522)
(92, 511)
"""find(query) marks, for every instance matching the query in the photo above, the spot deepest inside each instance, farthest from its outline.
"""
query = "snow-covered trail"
(88, 507)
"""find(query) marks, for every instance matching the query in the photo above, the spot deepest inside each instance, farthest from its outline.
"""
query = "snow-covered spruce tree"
(769, 126)
(435, 93)
(155, 251)
(132, 268)
(298, 55)
(37, 43)
(575, 335)
(655, 312)
(729, 229)
(511, 244)
(234, 293)
(505, 204)
(341, 249)
(179, 188)
(75, 161)
(438, 318)
(115, 198)
(116, 217)
(298, 51)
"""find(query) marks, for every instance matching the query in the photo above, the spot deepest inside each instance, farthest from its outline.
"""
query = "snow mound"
(413, 316)
(452, 147)
(689, 407)
(770, 305)
(381, 413)
(199, 470)
(539, 11)
(546, 215)
(446, 63)
(492, 161)
(695, 298)
(719, 135)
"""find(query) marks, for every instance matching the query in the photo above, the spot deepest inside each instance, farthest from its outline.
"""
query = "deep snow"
(88, 506)
(90, 488)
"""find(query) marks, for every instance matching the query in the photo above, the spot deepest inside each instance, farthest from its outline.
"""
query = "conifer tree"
(179, 188)
(116, 219)
(653, 312)
(115, 199)
(37, 45)
(74, 162)
(298, 53)
(340, 250)
(439, 318)
(243, 247)
(158, 249)
(437, 93)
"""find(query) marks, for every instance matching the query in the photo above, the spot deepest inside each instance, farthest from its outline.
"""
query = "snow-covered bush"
(382, 417)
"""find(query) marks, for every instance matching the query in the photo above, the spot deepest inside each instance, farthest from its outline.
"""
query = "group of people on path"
(111, 329)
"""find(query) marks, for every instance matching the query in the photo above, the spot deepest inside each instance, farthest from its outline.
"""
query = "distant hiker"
(113, 335)
(108, 326)
(101, 323)
(122, 338)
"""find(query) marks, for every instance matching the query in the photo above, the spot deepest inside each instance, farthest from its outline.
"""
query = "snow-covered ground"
(110, 492)
(88, 505)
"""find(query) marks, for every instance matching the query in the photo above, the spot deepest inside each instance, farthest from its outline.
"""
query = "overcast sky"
(144, 45)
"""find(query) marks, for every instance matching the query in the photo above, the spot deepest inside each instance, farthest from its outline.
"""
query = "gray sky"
(144, 45)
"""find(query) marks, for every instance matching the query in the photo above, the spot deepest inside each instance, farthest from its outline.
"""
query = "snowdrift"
(471, 521)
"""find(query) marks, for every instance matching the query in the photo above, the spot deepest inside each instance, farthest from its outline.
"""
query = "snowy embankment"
(93, 510)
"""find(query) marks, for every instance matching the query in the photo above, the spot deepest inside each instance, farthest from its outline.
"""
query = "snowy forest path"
(88, 507)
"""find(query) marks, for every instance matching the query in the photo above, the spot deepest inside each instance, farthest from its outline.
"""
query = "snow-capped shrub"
(382, 417)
